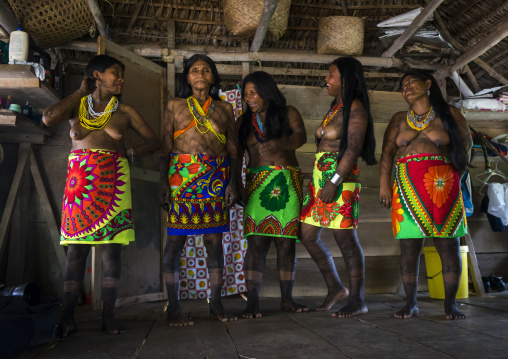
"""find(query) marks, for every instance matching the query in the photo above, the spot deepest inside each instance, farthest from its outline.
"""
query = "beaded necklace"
(259, 129)
(330, 115)
(420, 122)
(93, 120)
(202, 116)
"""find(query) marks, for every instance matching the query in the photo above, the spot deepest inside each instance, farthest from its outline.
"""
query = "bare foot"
(292, 306)
(333, 298)
(454, 313)
(177, 319)
(63, 330)
(113, 327)
(250, 315)
(407, 312)
(217, 311)
(351, 309)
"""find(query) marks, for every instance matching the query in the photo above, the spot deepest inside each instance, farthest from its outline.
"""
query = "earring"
(428, 92)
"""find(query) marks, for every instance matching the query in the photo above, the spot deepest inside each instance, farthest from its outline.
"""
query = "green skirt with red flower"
(275, 201)
(198, 186)
(97, 199)
(343, 212)
(427, 200)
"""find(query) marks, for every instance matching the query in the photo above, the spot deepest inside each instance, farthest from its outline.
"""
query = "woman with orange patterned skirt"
(432, 142)
(97, 199)
(332, 199)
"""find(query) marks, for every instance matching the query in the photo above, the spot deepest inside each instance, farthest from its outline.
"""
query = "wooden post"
(97, 15)
(473, 267)
(170, 66)
(264, 22)
(411, 29)
(245, 65)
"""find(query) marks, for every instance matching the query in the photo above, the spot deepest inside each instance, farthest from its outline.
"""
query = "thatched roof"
(200, 25)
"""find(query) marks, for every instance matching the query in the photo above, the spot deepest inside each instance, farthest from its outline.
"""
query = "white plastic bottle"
(18, 45)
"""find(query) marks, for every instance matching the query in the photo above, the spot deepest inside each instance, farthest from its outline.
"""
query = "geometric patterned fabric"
(343, 212)
(427, 199)
(275, 201)
(97, 199)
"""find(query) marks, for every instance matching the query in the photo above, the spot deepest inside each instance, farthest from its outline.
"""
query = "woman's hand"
(88, 85)
(385, 195)
(242, 196)
(328, 192)
(230, 196)
(269, 148)
(164, 194)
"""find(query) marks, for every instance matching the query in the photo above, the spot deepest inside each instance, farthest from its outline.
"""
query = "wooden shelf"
(16, 128)
(23, 85)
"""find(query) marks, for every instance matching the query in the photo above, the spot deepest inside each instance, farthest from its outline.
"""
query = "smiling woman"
(97, 203)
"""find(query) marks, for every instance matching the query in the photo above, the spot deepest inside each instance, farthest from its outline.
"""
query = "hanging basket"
(242, 17)
(53, 22)
(340, 35)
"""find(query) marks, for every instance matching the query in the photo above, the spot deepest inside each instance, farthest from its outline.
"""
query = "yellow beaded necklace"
(201, 116)
(95, 120)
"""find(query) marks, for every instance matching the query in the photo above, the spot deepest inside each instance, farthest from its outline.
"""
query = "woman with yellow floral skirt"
(96, 209)
(431, 141)
(333, 195)
(270, 132)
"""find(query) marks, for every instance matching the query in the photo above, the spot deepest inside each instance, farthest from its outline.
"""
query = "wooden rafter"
(135, 15)
(343, 3)
(97, 15)
(264, 22)
(411, 29)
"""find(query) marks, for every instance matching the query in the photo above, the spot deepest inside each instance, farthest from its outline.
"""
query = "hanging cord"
(258, 60)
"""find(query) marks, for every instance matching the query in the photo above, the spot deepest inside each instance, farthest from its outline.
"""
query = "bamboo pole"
(411, 29)
(471, 77)
(264, 22)
(97, 15)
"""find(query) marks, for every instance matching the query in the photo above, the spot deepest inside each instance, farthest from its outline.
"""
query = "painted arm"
(356, 136)
(465, 132)
(232, 149)
(388, 153)
(166, 150)
(139, 125)
(67, 108)
(242, 194)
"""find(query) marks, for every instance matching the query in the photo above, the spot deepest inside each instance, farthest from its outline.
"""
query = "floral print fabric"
(427, 199)
(343, 212)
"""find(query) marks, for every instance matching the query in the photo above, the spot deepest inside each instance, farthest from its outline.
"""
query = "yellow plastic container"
(435, 273)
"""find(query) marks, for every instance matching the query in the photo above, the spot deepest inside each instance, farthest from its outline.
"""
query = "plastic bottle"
(27, 110)
(18, 45)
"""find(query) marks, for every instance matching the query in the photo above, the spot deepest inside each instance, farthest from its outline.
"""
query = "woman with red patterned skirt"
(96, 208)
(270, 131)
(332, 199)
(432, 142)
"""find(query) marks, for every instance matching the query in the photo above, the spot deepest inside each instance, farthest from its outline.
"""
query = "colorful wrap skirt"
(343, 212)
(198, 186)
(97, 199)
(275, 201)
(427, 200)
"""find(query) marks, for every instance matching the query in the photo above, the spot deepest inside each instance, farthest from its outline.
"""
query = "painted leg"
(310, 237)
(73, 282)
(111, 271)
(286, 264)
(254, 267)
(215, 260)
(410, 253)
(355, 265)
(449, 252)
(171, 265)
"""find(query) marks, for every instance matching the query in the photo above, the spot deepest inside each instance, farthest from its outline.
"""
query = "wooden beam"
(447, 36)
(476, 51)
(471, 78)
(411, 29)
(264, 22)
(170, 66)
(135, 15)
(97, 15)
(474, 267)
(47, 210)
(343, 4)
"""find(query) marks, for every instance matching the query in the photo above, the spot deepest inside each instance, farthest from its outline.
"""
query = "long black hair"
(186, 89)
(353, 87)
(276, 122)
(456, 148)
(101, 63)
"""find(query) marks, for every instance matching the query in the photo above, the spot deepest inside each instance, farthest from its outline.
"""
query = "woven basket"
(340, 35)
(241, 17)
(53, 22)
